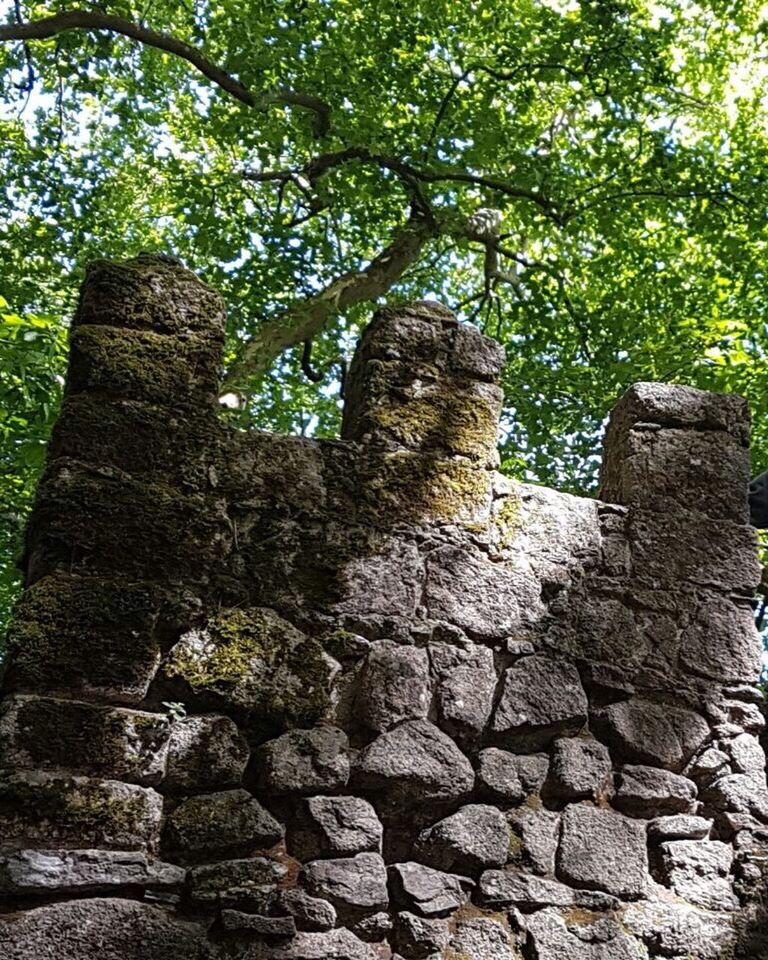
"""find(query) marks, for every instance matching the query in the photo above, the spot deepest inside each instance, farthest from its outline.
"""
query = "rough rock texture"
(274, 698)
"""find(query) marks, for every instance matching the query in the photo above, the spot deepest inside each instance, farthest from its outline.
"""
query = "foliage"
(587, 177)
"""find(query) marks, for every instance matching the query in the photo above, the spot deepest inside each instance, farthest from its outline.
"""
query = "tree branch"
(302, 321)
(95, 20)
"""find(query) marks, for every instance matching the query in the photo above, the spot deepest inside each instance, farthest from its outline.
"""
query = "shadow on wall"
(536, 709)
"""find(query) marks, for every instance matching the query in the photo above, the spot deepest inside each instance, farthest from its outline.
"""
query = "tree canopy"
(584, 179)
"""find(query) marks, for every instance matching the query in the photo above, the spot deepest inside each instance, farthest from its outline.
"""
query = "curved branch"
(95, 20)
(308, 317)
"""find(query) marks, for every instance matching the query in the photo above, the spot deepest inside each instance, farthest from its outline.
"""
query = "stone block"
(507, 778)
(309, 913)
(721, 642)
(109, 929)
(393, 685)
(419, 938)
(354, 885)
(44, 811)
(660, 734)
(580, 936)
(205, 752)
(580, 769)
(85, 635)
(334, 827)
(649, 792)
(334, 945)
(32, 873)
(428, 892)
(414, 764)
(47, 734)
(542, 698)
(699, 872)
(228, 823)
(303, 762)
(471, 840)
(483, 938)
(465, 686)
(231, 882)
(534, 840)
(679, 930)
(603, 850)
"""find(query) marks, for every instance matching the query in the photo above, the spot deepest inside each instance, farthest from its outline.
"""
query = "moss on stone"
(84, 633)
(507, 519)
(257, 661)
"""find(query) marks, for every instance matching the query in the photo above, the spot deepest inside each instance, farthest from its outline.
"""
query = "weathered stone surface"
(721, 643)
(642, 731)
(487, 601)
(204, 753)
(602, 850)
(333, 945)
(737, 793)
(650, 792)
(470, 840)
(679, 827)
(39, 810)
(393, 685)
(678, 930)
(428, 892)
(352, 884)
(709, 765)
(334, 827)
(252, 661)
(418, 938)
(372, 928)
(229, 881)
(506, 888)
(699, 871)
(584, 938)
(256, 923)
(483, 938)
(747, 756)
(304, 761)
(309, 913)
(46, 734)
(542, 697)
(384, 583)
(466, 682)
(580, 769)
(84, 634)
(414, 763)
(221, 824)
(41, 872)
(534, 840)
(104, 928)
(507, 778)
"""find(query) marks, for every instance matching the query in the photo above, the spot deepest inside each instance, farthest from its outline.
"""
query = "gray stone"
(204, 753)
(642, 731)
(722, 643)
(650, 792)
(507, 778)
(414, 764)
(679, 827)
(470, 840)
(393, 685)
(104, 928)
(484, 599)
(747, 756)
(708, 766)
(38, 872)
(256, 923)
(304, 761)
(231, 882)
(678, 930)
(309, 913)
(47, 811)
(386, 583)
(585, 938)
(535, 838)
(580, 769)
(699, 871)
(221, 824)
(602, 850)
(428, 892)
(466, 682)
(353, 885)
(737, 793)
(372, 928)
(333, 945)
(482, 938)
(542, 698)
(505, 888)
(334, 827)
(418, 938)
(66, 736)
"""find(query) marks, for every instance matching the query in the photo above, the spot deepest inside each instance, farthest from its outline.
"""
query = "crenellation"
(273, 698)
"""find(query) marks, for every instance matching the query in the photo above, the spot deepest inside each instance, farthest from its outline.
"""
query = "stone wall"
(273, 698)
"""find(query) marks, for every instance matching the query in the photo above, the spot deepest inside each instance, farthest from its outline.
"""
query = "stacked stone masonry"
(270, 698)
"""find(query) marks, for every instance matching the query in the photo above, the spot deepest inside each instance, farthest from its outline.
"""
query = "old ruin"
(273, 698)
